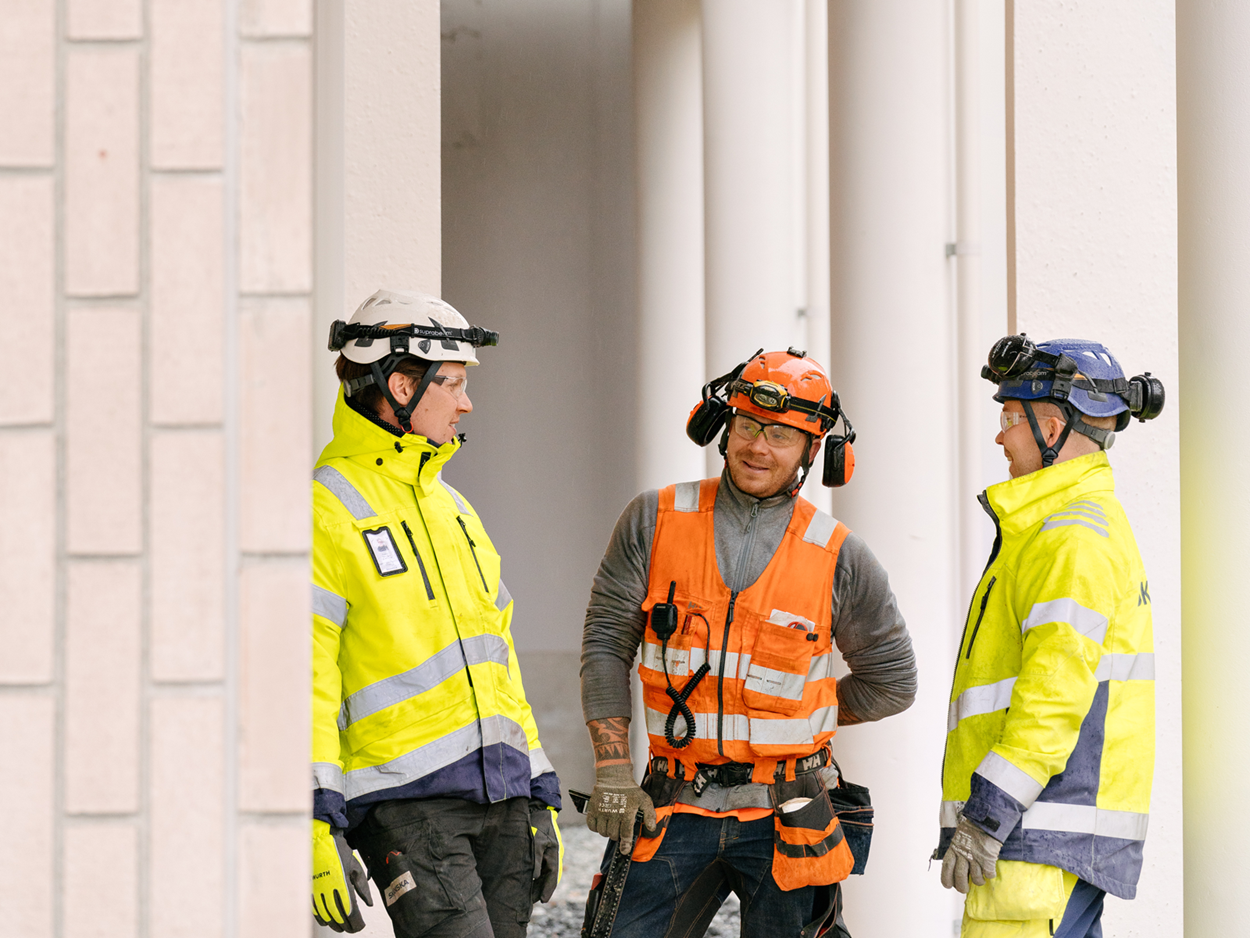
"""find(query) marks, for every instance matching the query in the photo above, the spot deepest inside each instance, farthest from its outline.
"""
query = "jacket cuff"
(546, 788)
(1001, 793)
(330, 807)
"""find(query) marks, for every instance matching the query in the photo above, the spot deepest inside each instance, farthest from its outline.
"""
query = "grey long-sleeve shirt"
(867, 627)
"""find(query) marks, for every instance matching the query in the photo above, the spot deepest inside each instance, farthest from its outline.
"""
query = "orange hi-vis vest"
(771, 696)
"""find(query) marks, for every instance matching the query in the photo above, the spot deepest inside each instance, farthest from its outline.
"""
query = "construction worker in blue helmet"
(1050, 728)
(425, 752)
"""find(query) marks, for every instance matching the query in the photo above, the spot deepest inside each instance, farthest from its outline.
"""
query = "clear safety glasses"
(1009, 418)
(455, 385)
(775, 434)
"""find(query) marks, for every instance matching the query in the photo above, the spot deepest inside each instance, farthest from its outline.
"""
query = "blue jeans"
(716, 856)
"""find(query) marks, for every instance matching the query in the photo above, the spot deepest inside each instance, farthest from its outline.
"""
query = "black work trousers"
(449, 868)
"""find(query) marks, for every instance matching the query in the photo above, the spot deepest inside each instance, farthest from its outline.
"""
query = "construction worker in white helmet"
(1050, 730)
(426, 757)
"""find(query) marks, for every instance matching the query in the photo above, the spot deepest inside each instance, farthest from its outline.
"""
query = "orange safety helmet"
(781, 387)
(786, 387)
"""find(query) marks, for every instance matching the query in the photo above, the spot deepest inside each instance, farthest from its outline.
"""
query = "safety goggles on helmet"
(1078, 376)
(775, 434)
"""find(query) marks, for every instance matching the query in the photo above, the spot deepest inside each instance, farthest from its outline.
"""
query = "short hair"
(1048, 409)
(370, 395)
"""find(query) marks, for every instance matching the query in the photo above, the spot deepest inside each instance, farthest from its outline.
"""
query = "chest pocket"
(780, 661)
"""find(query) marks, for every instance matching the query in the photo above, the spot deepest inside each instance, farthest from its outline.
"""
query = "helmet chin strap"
(403, 412)
(1049, 453)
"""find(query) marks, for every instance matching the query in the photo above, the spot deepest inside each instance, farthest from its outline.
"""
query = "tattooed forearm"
(610, 737)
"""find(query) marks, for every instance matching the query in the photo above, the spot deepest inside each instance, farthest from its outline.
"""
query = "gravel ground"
(562, 916)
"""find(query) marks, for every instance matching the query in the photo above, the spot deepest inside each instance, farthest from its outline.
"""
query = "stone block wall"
(155, 441)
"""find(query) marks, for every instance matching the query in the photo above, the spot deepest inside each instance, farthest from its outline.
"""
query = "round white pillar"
(893, 365)
(668, 127)
(1213, 94)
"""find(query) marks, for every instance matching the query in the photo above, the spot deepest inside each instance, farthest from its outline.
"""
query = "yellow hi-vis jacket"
(1050, 734)
(416, 688)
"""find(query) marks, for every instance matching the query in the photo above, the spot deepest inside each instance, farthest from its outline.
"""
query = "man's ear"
(814, 451)
(402, 387)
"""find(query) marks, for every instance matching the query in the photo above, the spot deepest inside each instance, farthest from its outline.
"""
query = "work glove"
(334, 866)
(548, 851)
(614, 805)
(972, 853)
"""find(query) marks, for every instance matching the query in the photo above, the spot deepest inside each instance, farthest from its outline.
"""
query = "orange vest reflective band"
(771, 695)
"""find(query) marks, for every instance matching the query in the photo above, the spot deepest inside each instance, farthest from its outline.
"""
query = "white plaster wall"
(893, 341)
(1096, 256)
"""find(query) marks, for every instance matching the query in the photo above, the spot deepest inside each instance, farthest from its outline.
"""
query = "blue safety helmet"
(1094, 363)
(1078, 376)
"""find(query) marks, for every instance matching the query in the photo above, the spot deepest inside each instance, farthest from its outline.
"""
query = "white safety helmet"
(396, 308)
(392, 325)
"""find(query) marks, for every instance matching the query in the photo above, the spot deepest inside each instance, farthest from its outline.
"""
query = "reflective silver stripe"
(327, 775)
(499, 729)
(824, 720)
(821, 667)
(329, 605)
(1087, 505)
(775, 683)
(346, 493)
(1085, 819)
(1053, 523)
(948, 816)
(1088, 622)
(1011, 779)
(460, 503)
(686, 496)
(1089, 514)
(820, 529)
(478, 649)
(539, 763)
(978, 700)
(784, 732)
(504, 597)
(1140, 667)
(678, 661)
(433, 756)
(735, 726)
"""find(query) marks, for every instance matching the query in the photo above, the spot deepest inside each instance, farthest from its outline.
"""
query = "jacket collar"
(745, 502)
(411, 459)
(1021, 503)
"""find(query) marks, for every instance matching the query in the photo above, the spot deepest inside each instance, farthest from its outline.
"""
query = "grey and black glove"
(972, 854)
(335, 873)
(614, 805)
(548, 850)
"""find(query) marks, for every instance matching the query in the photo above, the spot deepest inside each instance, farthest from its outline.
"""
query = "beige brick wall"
(155, 441)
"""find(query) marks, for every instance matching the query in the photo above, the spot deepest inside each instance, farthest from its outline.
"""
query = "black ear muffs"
(706, 420)
(839, 461)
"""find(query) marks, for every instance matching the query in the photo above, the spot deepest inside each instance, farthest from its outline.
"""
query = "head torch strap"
(342, 333)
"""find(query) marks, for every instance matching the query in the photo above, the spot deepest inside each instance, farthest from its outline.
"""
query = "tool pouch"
(664, 792)
(809, 848)
(853, 808)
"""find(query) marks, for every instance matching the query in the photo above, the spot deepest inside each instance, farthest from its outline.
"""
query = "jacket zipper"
(425, 577)
(980, 615)
(743, 556)
(473, 551)
(720, 678)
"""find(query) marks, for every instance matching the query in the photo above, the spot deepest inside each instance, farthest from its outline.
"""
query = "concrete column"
(668, 146)
(1213, 89)
(753, 178)
(379, 149)
(892, 342)
(1094, 114)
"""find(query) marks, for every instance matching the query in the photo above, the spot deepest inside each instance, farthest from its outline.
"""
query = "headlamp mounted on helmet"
(711, 415)
(400, 336)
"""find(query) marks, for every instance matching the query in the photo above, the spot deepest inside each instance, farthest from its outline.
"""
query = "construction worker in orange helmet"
(742, 595)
